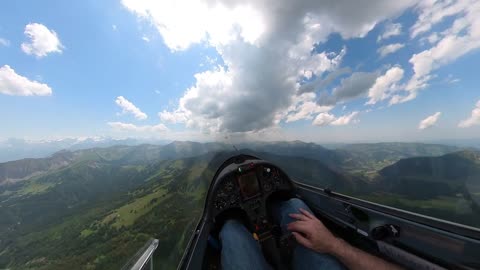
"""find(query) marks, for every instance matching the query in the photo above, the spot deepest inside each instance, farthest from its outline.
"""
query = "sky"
(205, 70)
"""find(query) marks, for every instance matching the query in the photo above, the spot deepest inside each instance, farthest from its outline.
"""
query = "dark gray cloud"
(355, 86)
(319, 84)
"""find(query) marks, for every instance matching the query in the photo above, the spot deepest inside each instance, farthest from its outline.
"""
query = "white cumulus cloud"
(183, 23)
(474, 118)
(16, 85)
(172, 117)
(324, 119)
(129, 107)
(462, 37)
(391, 29)
(345, 119)
(385, 85)
(429, 121)
(266, 46)
(433, 38)
(434, 12)
(304, 108)
(390, 48)
(42, 40)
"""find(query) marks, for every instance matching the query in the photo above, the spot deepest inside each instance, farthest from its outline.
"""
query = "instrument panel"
(247, 187)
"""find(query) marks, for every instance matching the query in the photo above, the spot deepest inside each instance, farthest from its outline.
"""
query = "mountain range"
(93, 208)
(14, 149)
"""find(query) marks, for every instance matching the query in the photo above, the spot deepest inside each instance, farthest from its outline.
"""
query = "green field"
(129, 213)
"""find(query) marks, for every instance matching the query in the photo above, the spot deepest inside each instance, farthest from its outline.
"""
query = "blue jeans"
(240, 251)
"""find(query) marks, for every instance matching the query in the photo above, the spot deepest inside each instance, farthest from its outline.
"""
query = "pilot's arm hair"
(311, 233)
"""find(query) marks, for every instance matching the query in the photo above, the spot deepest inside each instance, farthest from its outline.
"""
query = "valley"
(93, 208)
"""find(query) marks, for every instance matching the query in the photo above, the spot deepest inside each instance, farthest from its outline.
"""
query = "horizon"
(49, 149)
(249, 140)
(131, 141)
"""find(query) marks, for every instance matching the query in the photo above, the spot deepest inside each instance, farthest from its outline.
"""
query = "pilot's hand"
(311, 233)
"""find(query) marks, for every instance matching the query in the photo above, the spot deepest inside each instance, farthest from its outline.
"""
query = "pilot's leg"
(239, 248)
(303, 258)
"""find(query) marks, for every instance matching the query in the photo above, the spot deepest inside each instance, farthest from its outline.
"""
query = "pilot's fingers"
(306, 213)
(299, 226)
(299, 217)
(302, 240)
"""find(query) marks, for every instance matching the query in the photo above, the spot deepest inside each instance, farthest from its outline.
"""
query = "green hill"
(16, 171)
(103, 206)
(93, 208)
(364, 159)
(446, 187)
(97, 213)
(432, 176)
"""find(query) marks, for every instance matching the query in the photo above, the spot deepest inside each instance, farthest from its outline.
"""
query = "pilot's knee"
(296, 204)
(231, 227)
(235, 234)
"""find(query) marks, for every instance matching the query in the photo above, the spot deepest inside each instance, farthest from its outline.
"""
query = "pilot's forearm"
(354, 258)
